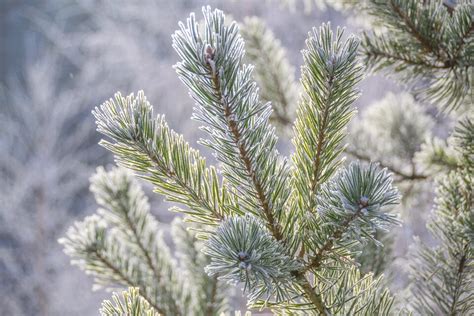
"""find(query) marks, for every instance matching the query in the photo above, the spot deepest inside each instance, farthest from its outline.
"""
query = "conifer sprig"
(261, 262)
(329, 76)
(128, 303)
(259, 249)
(427, 41)
(122, 245)
(148, 146)
(273, 72)
(228, 104)
(351, 207)
(210, 292)
(443, 276)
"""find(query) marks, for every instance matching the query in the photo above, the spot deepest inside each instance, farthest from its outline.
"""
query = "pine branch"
(351, 209)
(99, 254)
(273, 72)
(443, 276)
(242, 250)
(124, 205)
(237, 122)
(437, 155)
(123, 245)
(127, 281)
(384, 49)
(159, 155)
(391, 132)
(259, 249)
(427, 46)
(343, 292)
(329, 77)
(403, 176)
(129, 303)
(192, 264)
(403, 14)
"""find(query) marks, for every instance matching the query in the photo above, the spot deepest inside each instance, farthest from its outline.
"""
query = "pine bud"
(363, 202)
(209, 53)
(243, 256)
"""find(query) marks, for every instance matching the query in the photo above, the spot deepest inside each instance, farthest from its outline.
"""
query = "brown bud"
(209, 53)
(364, 201)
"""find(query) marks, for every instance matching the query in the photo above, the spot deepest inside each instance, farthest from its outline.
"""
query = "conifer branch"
(129, 303)
(349, 214)
(428, 46)
(122, 245)
(259, 249)
(98, 254)
(236, 120)
(314, 298)
(273, 72)
(243, 250)
(159, 155)
(402, 175)
(114, 269)
(329, 77)
(437, 155)
(125, 207)
(249, 168)
(443, 276)
(315, 263)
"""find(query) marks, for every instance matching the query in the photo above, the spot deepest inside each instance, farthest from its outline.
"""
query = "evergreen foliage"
(429, 44)
(426, 44)
(236, 120)
(290, 231)
(391, 131)
(121, 246)
(147, 145)
(130, 303)
(257, 241)
(443, 276)
(261, 262)
(273, 72)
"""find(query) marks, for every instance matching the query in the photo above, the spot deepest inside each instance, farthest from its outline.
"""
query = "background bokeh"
(58, 60)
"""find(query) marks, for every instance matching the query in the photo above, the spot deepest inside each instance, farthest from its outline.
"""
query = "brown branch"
(451, 62)
(243, 153)
(314, 298)
(316, 261)
(403, 175)
(449, 8)
(127, 281)
(407, 60)
(413, 30)
(444, 62)
(460, 271)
